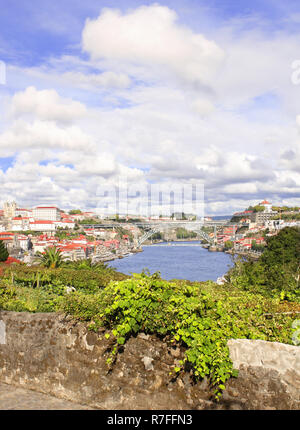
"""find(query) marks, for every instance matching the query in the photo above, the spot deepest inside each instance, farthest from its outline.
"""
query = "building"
(26, 213)
(65, 223)
(19, 223)
(10, 240)
(9, 209)
(47, 213)
(267, 205)
(42, 225)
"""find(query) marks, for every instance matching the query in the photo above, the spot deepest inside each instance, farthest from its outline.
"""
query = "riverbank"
(250, 254)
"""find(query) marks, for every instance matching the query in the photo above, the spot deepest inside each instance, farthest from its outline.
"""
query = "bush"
(85, 279)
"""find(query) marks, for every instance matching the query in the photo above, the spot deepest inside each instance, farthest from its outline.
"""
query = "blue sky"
(212, 100)
(33, 30)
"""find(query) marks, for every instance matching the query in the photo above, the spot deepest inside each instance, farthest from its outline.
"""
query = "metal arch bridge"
(150, 228)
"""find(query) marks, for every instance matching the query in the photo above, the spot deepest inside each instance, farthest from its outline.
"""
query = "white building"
(48, 213)
(20, 224)
(267, 205)
(42, 225)
(64, 223)
(23, 212)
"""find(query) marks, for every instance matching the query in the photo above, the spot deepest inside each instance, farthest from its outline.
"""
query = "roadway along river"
(177, 262)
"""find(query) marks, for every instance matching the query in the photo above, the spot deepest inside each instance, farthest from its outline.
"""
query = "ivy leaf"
(121, 340)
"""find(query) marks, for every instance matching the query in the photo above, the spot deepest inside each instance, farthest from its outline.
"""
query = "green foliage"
(276, 273)
(63, 233)
(257, 246)
(228, 244)
(284, 248)
(89, 221)
(51, 258)
(78, 274)
(201, 317)
(258, 208)
(193, 315)
(157, 236)
(75, 212)
(3, 252)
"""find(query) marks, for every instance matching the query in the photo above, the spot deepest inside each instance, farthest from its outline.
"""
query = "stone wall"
(55, 355)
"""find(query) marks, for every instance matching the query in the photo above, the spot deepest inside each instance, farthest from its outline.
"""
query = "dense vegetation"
(287, 216)
(277, 272)
(75, 212)
(256, 208)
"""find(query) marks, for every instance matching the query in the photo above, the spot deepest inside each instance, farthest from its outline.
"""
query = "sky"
(171, 92)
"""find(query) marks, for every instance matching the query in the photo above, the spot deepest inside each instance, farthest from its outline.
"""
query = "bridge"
(152, 227)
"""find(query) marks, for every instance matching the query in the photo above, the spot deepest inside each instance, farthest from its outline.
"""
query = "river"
(184, 261)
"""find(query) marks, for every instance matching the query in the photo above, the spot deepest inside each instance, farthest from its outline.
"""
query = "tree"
(228, 244)
(3, 252)
(284, 248)
(52, 258)
(75, 212)
(277, 271)
(258, 208)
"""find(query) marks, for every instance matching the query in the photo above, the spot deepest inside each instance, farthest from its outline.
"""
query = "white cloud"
(203, 107)
(102, 80)
(46, 105)
(43, 135)
(151, 36)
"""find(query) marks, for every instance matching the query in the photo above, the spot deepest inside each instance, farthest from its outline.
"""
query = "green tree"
(52, 258)
(75, 212)
(3, 252)
(277, 271)
(258, 208)
(228, 244)
(283, 248)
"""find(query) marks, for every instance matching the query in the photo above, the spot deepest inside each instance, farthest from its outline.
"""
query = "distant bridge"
(152, 227)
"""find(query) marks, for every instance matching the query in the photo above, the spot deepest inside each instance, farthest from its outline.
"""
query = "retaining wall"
(55, 355)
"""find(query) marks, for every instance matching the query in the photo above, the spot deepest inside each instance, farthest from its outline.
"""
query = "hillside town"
(248, 229)
(29, 232)
(80, 235)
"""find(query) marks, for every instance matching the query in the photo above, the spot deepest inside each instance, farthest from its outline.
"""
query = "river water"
(179, 260)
